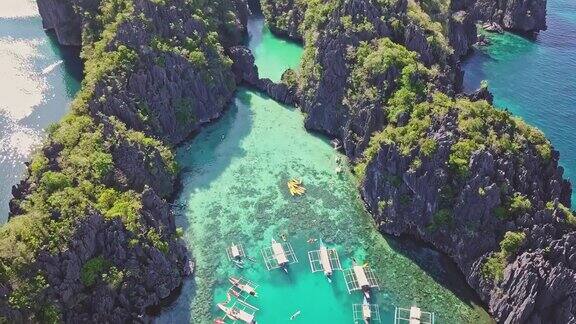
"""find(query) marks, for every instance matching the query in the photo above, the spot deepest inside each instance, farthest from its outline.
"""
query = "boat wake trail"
(51, 67)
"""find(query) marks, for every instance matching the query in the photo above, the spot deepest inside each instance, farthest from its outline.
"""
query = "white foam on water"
(51, 67)
(22, 88)
(19, 142)
(18, 8)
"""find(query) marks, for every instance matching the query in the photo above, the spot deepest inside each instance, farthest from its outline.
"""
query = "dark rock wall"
(529, 292)
(154, 274)
(164, 96)
(284, 17)
(322, 95)
(538, 280)
(524, 16)
(177, 95)
(60, 16)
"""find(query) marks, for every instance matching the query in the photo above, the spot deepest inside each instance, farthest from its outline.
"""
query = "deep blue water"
(536, 79)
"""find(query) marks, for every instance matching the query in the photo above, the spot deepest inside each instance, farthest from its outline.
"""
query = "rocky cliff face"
(476, 183)
(285, 17)
(524, 16)
(326, 89)
(246, 72)
(60, 16)
(458, 215)
(91, 236)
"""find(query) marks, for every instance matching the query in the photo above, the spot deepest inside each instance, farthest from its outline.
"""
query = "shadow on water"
(219, 138)
(474, 73)
(73, 64)
(437, 265)
(218, 144)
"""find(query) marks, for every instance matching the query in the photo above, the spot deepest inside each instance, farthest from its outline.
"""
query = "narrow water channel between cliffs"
(234, 190)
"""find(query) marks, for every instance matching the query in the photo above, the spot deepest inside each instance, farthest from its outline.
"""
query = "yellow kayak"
(295, 187)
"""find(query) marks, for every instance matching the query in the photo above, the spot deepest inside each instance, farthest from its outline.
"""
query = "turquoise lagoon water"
(234, 190)
(536, 79)
(38, 79)
(272, 61)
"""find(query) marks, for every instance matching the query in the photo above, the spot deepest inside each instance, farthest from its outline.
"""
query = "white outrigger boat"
(238, 314)
(244, 285)
(414, 315)
(236, 254)
(360, 278)
(366, 312)
(325, 260)
(279, 255)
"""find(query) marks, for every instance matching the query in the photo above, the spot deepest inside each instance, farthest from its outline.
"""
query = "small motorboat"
(295, 315)
(243, 286)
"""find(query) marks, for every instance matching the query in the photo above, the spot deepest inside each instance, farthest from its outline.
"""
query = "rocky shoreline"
(106, 247)
(492, 198)
(430, 171)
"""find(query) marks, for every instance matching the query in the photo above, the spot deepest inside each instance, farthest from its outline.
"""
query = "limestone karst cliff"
(434, 163)
(91, 237)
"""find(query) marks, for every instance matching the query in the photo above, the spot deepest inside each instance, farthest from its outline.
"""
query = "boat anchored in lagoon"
(366, 312)
(244, 285)
(236, 254)
(279, 255)
(360, 278)
(243, 313)
(325, 260)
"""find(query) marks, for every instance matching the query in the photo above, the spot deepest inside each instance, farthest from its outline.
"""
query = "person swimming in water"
(294, 315)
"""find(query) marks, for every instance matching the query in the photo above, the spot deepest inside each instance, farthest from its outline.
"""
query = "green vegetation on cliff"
(480, 126)
(386, 60)
(78, 172)
(493, 267)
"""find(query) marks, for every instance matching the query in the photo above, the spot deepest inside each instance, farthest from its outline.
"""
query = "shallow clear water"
(536, 79)
(272, 61)
(38, 79)
(234, 190)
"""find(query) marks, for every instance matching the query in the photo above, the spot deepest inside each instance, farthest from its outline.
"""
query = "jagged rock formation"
(460, 216)
(475, 182)
(524, 16)
(284, 17)
(60, 17)
(91, 237)
(247, 73)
